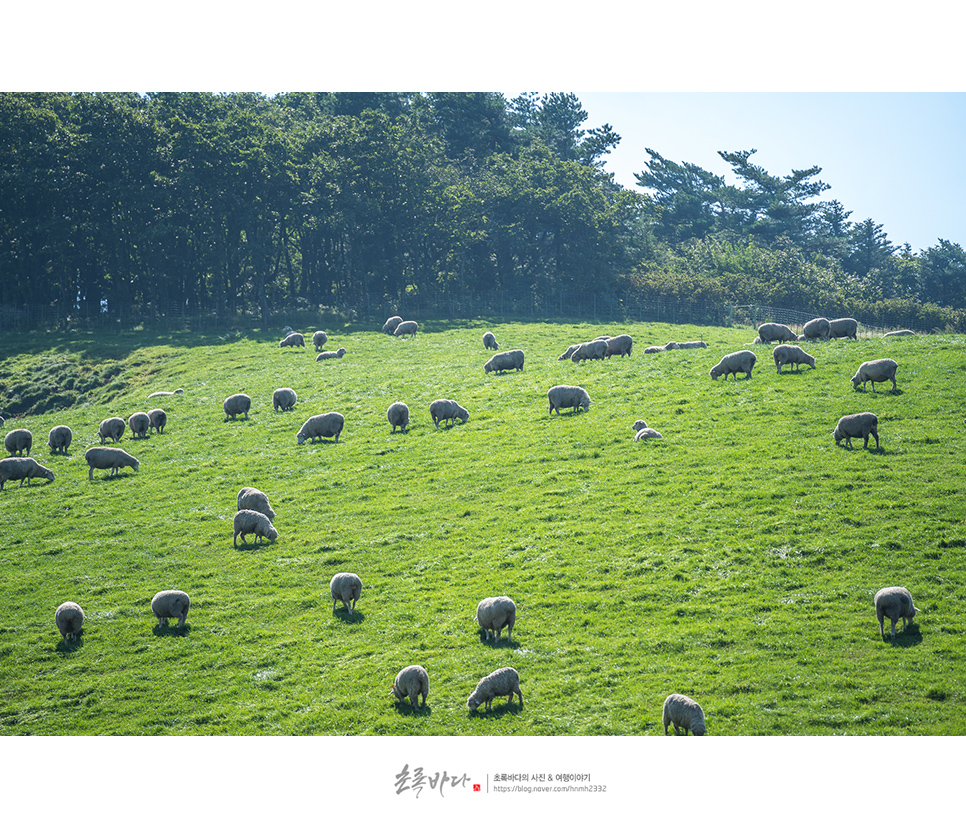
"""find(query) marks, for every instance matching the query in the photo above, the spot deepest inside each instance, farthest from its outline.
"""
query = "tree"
(555, 119)
(943, 274)
(683, 197)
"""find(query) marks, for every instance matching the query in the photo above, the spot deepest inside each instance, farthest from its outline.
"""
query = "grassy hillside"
(735, 560)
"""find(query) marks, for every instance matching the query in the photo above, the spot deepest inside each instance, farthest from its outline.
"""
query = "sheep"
(849, 328)
(569, 351)
(18, 441)
(69, 618)
(489, 341)
(172, 603)
(345, 588)
(284, 399)
(411, 682)
(896, 604)
(568, 396)
(166, 393)
(447, 412)
(293, 339)
(329, 424)
(398, 416)
(405, 328)
(876, 370)
(111, 429)
(249, 498)
(330, 354)
(509, 360)
(691, 345)
(158, 418)
(286, 330)
(252, 523)
(772, 332)
(237, 404)
(139, 423)
(884, 335)
(589, 350)
(791, 355)
(493, 614)
(654, 349)
(685, 713)
(732, 363)
(856, 425)
(107, 457)
(389, 328)
(22, 469)
(505, 681)
(672, 346)
(816, 329)
(619, 345)
(648, 434)
(319, 338)
(638, 425)
(59, 439)
(602, 338)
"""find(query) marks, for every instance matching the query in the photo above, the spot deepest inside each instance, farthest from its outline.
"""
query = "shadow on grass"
(404, 707)
(498, 709)
(348, 616)
(502, 643)
(906, 638)
(172, 631)
(64, 647)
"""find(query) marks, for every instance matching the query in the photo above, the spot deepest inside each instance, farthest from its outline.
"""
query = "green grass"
(735, 560)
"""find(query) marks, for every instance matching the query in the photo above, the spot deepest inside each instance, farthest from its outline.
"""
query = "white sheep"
(158, 418)
(692, 345)
(791, 355)
(509, 360)
(59, 439)
(330, 354)
(292, 340)
(345, 588)
(22, 469)
(505, 681)
(896, 604)
(898, 333)
(620, 345)
(237, 404)
(69, 619)
(111, 429)
(493, 614)
(166, 393)
(249, 498)
(284, 399)
(139, 423)
(411, 682)
(447, 412)
(329, 424)
(18, 441)
(398, 416)
(489, 341)
(856, 425)
(732, 363)
(654, 349)
(876, 370)
(646, 433)
(568, 396)
(107, 457)
(319, 338)
(589, 350)
(569, 351)
(684, 713)
(171, 603)
(406, 328)
(252, 523)
(772, 332)
(672, 346)
(389, 328)
(816, 329)
(638, 425)
(849, 328)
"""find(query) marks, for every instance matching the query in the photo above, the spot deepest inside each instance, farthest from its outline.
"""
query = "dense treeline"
(242, 202)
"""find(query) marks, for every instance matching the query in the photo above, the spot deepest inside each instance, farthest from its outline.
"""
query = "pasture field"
(735, 560)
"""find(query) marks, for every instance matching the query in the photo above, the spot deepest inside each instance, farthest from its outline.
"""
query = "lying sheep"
(732, 363)
(330, 354)
(406, 328)
(568, 396)
(877, 370)
(791, 355)
(252, 523)
(139, 423)
(890, 333)
(345, 588)
(772, 332)
(18, 441)
(69, 618)
(166, 393)
(173, 603)
(319, 338)
(505, 681)
(654, 349)
(856, 425)
(111, 429)
(284, 399)
(896, 604)
(59, 439)
(389, 328)
(489, 341)
(249, 498)
(816, 329)
(293, 340)
(411, 682)
(839, 328)
(158, 419)
(589, 350)
(493, 615)
(107, 457)
(619, 345)
(329, 424)
(509, 360)
(638, 425)
(672, 346)
(447, 412)
(22, 469)
(398, 416)
(692, 345)
(647, 434)
(684, 713)
(237, 404)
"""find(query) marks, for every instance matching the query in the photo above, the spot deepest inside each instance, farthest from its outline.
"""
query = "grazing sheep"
(69, 618)
(685, 713)
(345, 588)
(237, 404)
(405, 328)
(319, 338)
(249, 498)
(816, 329)
(509, 360)
(692, 345)
(22, 469)
(771, 332)
(330, 354)
(139, 423)
(284, 399)
(884, 335)
(493, 615)
(166, 393)
(877, 370)
(569, 351)
(447, 412)
(389, 328)
(505, 681)
(732, 363)
(398, 416)
(589, 350)
(173, 603)
(568, 396)
(107, 457)
(411, 682)
(648, 434)
(849, 328)
(489, 341)
(292, 340)
(252, 523)
(896, 604)
(619, 345)
(329, 424)
(791, 355)
(111, 429)
(18, 441)
(158, 418)
(856, 425)
(59, 439)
